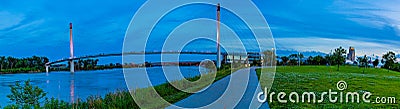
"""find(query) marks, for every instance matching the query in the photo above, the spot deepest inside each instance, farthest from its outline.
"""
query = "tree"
(27, 95)
(338, 56)
(285, 59)
(318, 59)
(376, 62)
(293, 58)
(363, 61)
(389, 57)
(329, 59)
(2, 62)
(11, 61)
(310, 60)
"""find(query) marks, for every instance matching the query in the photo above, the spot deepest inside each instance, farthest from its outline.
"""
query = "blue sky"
(40, 27)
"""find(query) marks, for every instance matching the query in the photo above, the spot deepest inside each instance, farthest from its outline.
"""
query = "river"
(69, 87)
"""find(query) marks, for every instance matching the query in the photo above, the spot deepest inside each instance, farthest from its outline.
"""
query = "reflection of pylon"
(72, 91)
(218, 37)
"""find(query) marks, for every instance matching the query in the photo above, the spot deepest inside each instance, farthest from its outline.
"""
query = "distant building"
(235, 58)
(352, 54)
(248, 59)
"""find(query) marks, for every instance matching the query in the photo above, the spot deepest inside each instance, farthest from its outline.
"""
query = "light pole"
(298, 56)
(272, 56)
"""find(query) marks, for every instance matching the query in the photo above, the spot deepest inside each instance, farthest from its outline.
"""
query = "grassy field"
(318, 79)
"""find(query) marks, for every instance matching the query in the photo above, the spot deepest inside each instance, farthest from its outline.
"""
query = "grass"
(21, 70)
(318, 79)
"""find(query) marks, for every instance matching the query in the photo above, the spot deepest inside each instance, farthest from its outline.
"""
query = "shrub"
(26, 95)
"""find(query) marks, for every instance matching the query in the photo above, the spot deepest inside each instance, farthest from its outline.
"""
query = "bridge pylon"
(47, 68)
(218, 37)
(71, 48)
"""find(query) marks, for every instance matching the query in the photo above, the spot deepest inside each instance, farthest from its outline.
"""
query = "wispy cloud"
(9, 19)
(372, 13)
(371, 26)
(41, 27)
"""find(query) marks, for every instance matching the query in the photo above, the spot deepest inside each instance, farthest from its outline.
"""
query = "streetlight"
(298, 56)
(272, 56)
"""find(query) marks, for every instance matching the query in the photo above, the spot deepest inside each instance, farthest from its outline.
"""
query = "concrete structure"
(251, 55)
(352, 54)
(71, 48)
(243, 58)
(218, 37)
(236, 58)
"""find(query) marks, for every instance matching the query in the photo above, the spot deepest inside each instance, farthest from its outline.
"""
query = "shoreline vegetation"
(123, 98)
(36, 64)
(9, 65)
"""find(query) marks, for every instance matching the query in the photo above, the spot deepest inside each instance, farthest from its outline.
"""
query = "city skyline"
(41, 27)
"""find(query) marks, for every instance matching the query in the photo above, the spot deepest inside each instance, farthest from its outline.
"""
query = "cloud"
(372, 13)
(371, 26)
(41, 27)
(8, 19)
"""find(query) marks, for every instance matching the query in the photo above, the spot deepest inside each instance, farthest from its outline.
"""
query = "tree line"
(87, 64)
(30, 64)
(338, 57)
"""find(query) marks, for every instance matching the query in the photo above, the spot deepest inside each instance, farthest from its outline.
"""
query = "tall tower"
(352, 54)
(71, 48)
(218, 37)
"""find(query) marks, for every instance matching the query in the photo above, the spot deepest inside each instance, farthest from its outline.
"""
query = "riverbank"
(21, 70)
(318, 79)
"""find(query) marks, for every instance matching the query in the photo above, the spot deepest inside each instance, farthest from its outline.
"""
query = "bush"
(27, 95)
(56, 104)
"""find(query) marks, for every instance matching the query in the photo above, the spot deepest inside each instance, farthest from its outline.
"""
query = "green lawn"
(318, 79)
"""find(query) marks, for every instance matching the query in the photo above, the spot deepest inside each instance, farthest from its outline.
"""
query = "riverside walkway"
(226, 92)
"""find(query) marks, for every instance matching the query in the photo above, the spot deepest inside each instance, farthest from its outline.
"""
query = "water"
(69, 87)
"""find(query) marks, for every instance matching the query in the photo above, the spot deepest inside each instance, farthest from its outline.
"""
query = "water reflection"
(67, 87)
(72, 89)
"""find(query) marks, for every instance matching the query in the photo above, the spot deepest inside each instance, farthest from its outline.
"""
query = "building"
(243, 58)
(235, 58)
(352, 54)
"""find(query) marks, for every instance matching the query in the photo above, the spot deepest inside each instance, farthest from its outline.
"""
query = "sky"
(40, 27)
